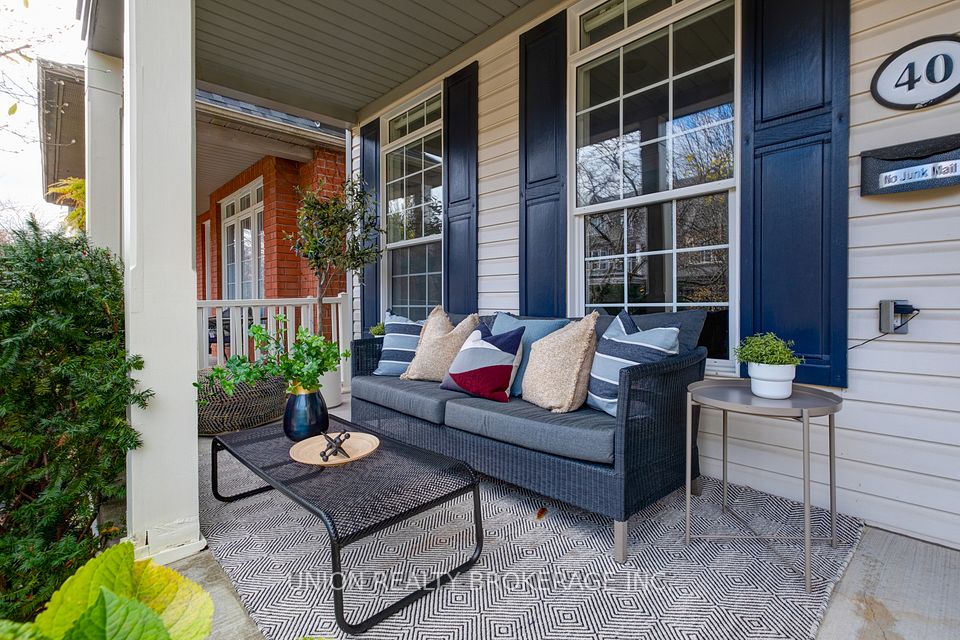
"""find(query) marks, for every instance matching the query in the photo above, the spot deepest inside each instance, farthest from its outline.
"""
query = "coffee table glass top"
(352, 498)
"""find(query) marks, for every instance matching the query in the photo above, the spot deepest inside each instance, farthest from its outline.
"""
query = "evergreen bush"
(65, 387)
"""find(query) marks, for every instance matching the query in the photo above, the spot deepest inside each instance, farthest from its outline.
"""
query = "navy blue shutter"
(460, 190)
(796, 64)
(370, 174)
(543, 193)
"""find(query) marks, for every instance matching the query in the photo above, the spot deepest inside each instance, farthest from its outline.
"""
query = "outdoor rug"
(546, 570)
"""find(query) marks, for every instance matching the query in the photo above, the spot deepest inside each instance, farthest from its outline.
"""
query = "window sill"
(722, 369)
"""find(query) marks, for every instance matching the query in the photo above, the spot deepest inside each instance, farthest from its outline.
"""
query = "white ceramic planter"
(331, 391)
(773, 381)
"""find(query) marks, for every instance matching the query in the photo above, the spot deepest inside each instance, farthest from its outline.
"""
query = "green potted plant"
(771, 364)
(332, 236)
(303, 366)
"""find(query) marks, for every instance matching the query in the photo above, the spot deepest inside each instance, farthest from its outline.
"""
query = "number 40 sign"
(920, 74)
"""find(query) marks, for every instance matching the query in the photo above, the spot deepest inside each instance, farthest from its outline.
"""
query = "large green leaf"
(184, 607)
(114, 617)
(112, 569)
(18, 631)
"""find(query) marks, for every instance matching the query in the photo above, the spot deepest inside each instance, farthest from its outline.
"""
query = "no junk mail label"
(921, 74)
(926, 164)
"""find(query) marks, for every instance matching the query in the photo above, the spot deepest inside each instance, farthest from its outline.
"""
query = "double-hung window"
(653, 162)
(241, 216)
(412, 161)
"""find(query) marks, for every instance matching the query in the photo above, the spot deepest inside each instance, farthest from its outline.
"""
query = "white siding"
(498, 222)
(898, 435)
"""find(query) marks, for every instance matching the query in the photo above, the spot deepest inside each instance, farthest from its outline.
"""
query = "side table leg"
(806, 498)
(724, 505)
(686, 528)
(833, 482)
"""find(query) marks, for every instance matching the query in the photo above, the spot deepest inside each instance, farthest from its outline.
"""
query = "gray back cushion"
(457, 318)
(690, 322)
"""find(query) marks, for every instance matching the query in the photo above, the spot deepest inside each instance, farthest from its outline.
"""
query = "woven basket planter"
(247, 407)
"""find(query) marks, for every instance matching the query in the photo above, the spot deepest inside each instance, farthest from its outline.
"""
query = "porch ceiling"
(331, 57)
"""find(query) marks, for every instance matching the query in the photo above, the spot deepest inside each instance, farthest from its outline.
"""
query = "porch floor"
(895, 587)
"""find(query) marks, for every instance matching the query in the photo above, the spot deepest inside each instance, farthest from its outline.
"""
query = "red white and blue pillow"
(623, 344)
(486, 364)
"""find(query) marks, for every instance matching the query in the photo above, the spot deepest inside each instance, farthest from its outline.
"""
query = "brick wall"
(285, 274)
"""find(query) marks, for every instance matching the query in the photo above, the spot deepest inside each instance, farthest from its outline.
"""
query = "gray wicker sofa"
(608, 465)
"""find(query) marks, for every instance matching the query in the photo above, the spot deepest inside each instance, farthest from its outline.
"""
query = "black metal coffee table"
(358, 499)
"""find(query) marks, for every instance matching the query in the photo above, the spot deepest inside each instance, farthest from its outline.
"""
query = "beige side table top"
(734, 396)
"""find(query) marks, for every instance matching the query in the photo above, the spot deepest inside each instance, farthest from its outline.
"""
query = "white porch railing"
(223, 326)
(341, 322)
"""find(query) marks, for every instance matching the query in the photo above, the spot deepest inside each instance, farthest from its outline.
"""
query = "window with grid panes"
(654, 170)
(413, 209)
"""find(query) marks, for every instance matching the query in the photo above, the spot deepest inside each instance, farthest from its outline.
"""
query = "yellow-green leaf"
(184, 607)
(114, 617)
(12, 110)
(112, 569)
(16, 631)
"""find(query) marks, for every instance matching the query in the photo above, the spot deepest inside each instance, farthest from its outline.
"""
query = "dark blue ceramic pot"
(305, 415)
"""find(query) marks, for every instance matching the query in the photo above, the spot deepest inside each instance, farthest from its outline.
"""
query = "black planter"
(305, 415)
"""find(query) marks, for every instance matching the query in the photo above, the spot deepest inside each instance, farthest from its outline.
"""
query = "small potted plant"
(771, 365)
(302, 366)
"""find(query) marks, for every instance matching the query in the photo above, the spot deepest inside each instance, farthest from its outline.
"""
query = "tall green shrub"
(65, 387)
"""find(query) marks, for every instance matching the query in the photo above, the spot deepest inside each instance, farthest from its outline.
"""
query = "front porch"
(553, 159)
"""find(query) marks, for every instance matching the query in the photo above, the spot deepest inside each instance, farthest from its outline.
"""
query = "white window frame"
(576, 298)
(253, 212)
(386, 264)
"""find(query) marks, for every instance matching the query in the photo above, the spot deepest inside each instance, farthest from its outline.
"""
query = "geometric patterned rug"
(546, 570)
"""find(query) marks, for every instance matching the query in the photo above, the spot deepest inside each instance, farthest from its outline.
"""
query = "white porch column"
(104, 102)
(158, 251)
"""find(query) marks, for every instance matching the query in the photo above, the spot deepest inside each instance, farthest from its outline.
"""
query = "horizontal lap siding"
(898, 436)
(499, 172)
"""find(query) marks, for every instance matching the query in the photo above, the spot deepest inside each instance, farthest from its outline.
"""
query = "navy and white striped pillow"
(400, 340)
(624, 345)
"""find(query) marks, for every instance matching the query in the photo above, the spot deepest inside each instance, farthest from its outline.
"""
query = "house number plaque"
(921, 74)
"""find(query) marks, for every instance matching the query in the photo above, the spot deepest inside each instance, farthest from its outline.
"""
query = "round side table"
(734, 396)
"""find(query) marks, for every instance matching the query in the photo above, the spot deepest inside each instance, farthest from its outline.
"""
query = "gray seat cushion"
(584, 434)
(419, 398)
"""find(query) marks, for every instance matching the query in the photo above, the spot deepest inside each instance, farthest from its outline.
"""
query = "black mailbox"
(925, 164)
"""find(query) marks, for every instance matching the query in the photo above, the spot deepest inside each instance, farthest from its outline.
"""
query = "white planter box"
(773, 381)
(331, 391)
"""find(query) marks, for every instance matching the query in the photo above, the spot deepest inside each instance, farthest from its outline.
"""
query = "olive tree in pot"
(333, 233)
(771, 365)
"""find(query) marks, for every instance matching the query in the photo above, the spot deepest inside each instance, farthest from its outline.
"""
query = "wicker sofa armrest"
(651, 419)
(365, 355)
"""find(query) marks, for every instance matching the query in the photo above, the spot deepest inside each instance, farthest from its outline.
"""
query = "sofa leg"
(695, 487)
(620, 541)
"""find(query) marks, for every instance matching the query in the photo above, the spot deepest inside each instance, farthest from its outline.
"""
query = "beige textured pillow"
(558, 373)
(439, 344)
